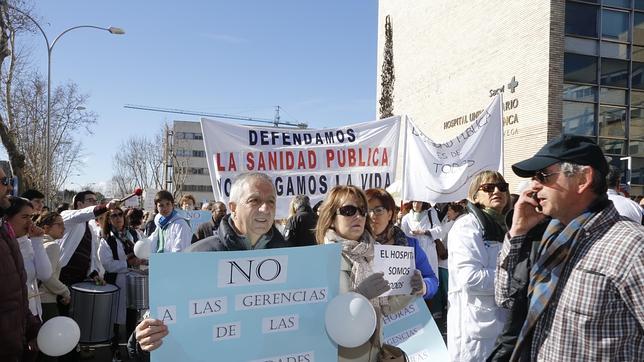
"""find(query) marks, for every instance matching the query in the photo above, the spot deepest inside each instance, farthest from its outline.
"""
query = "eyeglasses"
(544, 178)
(378, 210)
(350, 210)
(114, 216)
(7, 181)
(502, 186)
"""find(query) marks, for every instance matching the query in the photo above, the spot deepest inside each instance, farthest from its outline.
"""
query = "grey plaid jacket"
(597, 310)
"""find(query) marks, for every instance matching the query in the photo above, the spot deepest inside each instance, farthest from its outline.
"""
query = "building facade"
(189, 167)
(561, 66)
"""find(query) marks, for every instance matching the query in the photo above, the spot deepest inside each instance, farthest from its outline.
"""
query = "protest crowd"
(553, 272)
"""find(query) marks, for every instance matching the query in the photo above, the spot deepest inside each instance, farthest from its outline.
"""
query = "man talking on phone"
(586, 286)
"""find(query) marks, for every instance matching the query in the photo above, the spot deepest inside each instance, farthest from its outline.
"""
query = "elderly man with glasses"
(585, 291)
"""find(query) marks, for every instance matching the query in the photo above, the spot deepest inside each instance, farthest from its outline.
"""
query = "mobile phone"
(535, 198)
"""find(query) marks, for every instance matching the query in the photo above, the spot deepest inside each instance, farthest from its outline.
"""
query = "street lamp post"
(50, 48)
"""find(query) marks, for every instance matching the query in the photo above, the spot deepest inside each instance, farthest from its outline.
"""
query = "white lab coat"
(426, 242)
(473, 319)
(75, 223)
(37, 266)
(120, 268)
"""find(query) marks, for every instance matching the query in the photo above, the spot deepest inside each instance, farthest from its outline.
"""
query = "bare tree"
(138, 164)
(23, 112)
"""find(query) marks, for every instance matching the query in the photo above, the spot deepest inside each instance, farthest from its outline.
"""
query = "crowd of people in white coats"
(553, 272)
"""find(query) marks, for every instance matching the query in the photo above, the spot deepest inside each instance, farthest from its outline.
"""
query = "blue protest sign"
(414, 331)
(197, 217)
(264, 305)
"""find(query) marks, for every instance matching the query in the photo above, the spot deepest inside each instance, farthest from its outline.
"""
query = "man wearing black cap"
(586, 289)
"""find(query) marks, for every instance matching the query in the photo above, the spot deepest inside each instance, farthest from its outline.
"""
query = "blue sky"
(317, 60)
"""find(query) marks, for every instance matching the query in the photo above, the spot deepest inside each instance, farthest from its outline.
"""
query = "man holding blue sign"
(250, 226)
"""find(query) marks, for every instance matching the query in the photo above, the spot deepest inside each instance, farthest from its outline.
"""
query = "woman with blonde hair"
(473, 320)
(343, 220)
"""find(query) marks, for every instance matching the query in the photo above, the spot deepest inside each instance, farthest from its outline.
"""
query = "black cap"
(567, 148)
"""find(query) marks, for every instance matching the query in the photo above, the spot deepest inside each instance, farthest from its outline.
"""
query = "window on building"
(612, 121)
(639, 4)
(579, 118)
(614, 50)
(617, 3)
(614, 72)
(581, 19)
(197, 153)
(637, 77)
(581, 45)
(577, 92)
(612, 96)
(580, 68)
(638, 28)
(615, 25)
(612, 146)
(636, 129)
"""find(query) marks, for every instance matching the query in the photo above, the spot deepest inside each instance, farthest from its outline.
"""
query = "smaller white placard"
(398, 265)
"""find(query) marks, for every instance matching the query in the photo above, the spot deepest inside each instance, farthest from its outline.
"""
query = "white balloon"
(350, 319)
(142, 248)
(58, 336)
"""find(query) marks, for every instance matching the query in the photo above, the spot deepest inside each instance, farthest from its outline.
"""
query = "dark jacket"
(17, 324)
(506, 341)
(300, 228)
(205, 230)
(226, 239)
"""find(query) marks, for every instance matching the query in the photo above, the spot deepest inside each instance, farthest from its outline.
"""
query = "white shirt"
(75, 223)
(625, 206)
(37, 266)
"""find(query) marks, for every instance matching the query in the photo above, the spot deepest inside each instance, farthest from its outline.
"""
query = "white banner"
(441, 172)
(302, 161)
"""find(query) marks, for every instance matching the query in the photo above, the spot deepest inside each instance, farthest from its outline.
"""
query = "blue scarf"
(164, 221)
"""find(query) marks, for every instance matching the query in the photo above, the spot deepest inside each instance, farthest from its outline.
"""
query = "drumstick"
(36, 295)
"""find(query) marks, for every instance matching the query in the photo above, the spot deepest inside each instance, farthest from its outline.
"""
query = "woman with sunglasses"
(30, 239)
(473, 320)
(116, 253)
(382, 209)
(343, 220)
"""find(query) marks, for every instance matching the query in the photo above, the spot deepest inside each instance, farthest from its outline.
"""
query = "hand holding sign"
(417, 283)
(398, 265)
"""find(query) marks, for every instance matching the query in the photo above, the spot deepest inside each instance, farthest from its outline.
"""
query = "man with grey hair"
(585, 294)
(300, 228)
(250, 226)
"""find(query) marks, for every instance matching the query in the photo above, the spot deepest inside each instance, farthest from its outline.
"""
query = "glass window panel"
(637, 171)
(637, 99)
(618, 3)
(638, 28)
(581, 19)
(614, 50)
(614, 73)
(615, 25)
(580, 68)
(636, 190)
(576, 92)
(639, 4)
(637, 76)
(612, 121)
(613, 146)
(636, 148)
(581, 46)
(638, 53)
(579, 118)
(636, 129)
(612, 96)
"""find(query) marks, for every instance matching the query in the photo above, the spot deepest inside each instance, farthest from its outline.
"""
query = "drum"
(137, 290)
(92, 308)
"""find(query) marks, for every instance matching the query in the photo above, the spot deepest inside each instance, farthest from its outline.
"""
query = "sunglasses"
(7, 181)
(350, 210)
(378, 210)
(502, 186)
(114, 216)
(544, 178)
